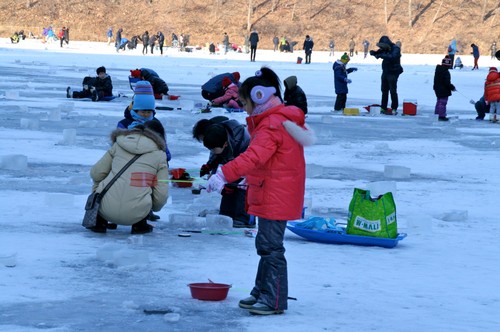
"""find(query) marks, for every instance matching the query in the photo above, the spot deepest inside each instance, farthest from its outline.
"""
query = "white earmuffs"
(260, 94)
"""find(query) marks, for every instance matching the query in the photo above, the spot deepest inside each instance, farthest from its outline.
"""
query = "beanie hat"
(135, 73)
(493, 69)
(144, 98)
(100, 70)
(446, 61)
(236, 76)
(345, 58)
(226, 81)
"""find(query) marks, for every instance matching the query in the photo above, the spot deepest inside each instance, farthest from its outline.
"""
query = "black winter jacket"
(442, 82)
(159, 85)
(294, 95)
(391, 56)
(105, 85)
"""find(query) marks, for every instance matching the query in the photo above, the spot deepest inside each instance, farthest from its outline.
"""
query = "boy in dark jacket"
(226, 139)
(442, 87)
(98, 88)
(294, 95)
(340, 74)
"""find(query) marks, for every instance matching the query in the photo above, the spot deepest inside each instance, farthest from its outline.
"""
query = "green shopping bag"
(372, 216)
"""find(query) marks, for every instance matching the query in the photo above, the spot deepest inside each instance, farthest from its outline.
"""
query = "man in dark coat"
(294, 95)
(308, 48)
(118, 39)
(161, 41)
(390, 54)
(160, 88)
(254, 39)
(145, 42)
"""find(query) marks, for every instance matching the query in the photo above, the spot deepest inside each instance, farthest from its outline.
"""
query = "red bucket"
(209, 291)
(177, 172)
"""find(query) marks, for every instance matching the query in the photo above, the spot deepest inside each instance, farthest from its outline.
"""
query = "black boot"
(152, 216)
(68, 95)
(101, 225)
(141, 227)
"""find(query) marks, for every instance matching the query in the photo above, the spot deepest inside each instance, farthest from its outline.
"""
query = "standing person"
(152, 42)
(274, 167)
(118, 39)
(161, 41)
(493, 49)
(60, 35)
(66, 36)
(145, 42)
(308, 48)
(226, 139)
(391, 69)
(276, 42)
(254, 39)
(126, 203)
(366, 45)
(225, 42)
(109, 34)
(332, 48)
(492, 92)
(340, 81)
(475, 54)
(294, 95)
(452, 50)
(352, 46)
(442, 87)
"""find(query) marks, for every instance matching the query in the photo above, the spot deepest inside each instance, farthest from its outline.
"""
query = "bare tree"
(385, 12)
(437, 12)
(410, 21)
(249, 16)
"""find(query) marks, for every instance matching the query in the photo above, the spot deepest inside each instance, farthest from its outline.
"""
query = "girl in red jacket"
(274, 167)
(492, 92)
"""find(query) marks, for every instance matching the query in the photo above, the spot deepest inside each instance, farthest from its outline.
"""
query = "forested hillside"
(423, 26)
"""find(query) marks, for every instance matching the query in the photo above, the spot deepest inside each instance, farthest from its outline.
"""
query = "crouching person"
(137, 191)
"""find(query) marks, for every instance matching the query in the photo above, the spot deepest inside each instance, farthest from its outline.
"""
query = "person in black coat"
(253, 39)
(308, 47)
(160, 88)
(390, 54)
(118, 39)
(97, 88)
(294, 95)
(145, 42)
(442, 87)
(481, 108)
(161, 41)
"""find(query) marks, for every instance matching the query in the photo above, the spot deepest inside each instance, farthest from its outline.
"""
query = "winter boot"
(248, 302)
(101, 225)
(152, 216)
(443, 118)
(95, 97)
(262, 309)
(141, 227)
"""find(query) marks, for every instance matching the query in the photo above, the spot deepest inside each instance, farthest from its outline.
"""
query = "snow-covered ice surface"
(443, 277)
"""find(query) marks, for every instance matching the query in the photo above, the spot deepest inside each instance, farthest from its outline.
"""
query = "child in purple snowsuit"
(442, 87)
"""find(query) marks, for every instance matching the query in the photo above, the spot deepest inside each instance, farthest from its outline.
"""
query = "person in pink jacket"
(274, 167)
(230, 98)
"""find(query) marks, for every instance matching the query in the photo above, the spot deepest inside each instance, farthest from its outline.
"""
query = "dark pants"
(82, 94)
(475, 64)
(308, 57)
(340, 101)
(481, 108)
(271, 281)
(233, 205)
(390, 85)
(441, 107)
(452, 57)
(152, 48)
(161, 48)
(253, 51)
(145, 49)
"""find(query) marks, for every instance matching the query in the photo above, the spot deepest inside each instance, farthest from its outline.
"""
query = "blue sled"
(343, 238)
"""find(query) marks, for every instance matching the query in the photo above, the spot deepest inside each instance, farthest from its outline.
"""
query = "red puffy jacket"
(273, 165)
(492, 87)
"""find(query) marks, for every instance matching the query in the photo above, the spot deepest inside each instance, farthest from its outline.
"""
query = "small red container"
(409, 107)
(209, 291)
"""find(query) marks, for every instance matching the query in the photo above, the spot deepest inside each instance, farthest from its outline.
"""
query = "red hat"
(135, 73)
(236, 76)
(226, 81)
(493, 69)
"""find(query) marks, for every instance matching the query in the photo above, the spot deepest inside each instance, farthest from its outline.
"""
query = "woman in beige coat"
(128, 201)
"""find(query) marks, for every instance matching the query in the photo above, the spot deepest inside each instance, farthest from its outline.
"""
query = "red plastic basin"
(209, 291)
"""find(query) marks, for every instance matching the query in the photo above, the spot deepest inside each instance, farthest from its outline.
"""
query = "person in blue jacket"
(340, 81)
(213, 87)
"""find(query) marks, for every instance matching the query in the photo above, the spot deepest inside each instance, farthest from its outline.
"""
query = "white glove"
(85, 87)
(216, 182)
